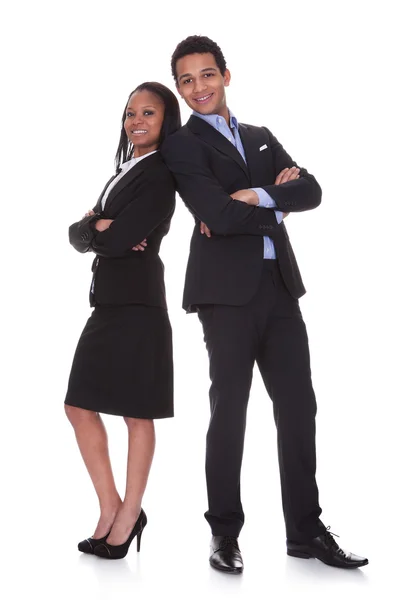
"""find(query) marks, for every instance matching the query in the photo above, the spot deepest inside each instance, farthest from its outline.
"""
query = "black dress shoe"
(87, 546)
(225, 554)
(327, 550)
(109, 551)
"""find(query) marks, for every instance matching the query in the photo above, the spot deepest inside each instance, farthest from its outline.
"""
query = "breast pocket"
(263, 169)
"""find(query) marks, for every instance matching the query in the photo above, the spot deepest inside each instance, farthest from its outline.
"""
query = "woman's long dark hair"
(171, 122)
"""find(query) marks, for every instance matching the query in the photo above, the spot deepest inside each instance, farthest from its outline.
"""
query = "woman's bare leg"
(140, 456)
(91, 436)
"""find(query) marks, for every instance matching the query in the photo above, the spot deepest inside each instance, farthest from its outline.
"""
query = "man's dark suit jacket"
(226, 268)
(142, 204)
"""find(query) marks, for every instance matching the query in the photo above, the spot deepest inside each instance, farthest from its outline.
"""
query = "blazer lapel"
(210, 135)
(255, 158)
(129, 176)
(98, 203)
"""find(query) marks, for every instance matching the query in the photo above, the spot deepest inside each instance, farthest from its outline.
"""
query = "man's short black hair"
(197, 44)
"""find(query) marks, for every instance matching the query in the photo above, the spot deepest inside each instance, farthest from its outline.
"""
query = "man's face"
(201, 84)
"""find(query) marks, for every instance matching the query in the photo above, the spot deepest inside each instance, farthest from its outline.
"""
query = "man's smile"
(203, 99)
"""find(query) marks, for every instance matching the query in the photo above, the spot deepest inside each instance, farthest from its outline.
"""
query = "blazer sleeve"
(204, 196)
(82, 233)
(297, 195)
(153, 203)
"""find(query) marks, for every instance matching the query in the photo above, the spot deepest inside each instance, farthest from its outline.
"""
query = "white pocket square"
(263, 147)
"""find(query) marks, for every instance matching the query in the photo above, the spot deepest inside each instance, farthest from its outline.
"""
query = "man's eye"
(208, 74)
(187, 80)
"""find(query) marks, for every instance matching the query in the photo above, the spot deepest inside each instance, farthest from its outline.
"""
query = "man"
(243, 281)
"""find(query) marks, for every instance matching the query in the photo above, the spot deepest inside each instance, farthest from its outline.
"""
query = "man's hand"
(103, 224)
(248, 196)
(251, 198)
(140, 246)
(205, 230)
(287, 175)
(89, 213)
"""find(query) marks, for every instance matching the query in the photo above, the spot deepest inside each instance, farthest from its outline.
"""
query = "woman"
(123, 361)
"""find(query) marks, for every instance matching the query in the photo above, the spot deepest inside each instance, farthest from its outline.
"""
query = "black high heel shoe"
(87, 546)
(105, 550)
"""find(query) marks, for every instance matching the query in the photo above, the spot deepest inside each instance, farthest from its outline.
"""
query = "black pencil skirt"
(123, 364)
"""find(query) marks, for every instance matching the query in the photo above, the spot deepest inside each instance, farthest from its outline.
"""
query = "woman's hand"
(89, 213)
(103, 224)
(140, 246)
(205, 230)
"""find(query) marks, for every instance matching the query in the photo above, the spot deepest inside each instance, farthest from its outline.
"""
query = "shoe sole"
(299, 554)
(228, 571)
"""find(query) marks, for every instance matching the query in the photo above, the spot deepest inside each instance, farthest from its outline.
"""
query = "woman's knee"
(138, 423)
(77, 415)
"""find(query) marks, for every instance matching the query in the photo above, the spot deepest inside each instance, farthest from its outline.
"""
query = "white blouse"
(125, 167)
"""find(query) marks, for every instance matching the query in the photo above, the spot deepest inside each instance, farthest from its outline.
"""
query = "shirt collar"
(233, 121)
(216, 120)
(133, 161)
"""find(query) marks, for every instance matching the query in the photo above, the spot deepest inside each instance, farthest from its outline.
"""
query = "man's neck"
(221, 113)
(224, 112)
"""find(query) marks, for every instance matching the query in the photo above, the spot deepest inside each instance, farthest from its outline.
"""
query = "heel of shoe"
(138, 540)
(298, 553)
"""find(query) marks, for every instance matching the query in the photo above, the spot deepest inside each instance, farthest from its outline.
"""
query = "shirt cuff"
(279, 216)
(264, 199)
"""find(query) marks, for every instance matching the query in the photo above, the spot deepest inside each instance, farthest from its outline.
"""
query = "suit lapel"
(210, 135)
(98, 204)
(129, 176)
(255, 158)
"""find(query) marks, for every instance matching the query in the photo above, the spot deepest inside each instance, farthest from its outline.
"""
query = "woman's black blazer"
(142, 204)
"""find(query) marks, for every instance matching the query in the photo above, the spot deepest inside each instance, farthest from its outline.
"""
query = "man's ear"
(227, 78)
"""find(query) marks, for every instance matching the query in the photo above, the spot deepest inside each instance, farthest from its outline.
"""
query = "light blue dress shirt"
(265, 199)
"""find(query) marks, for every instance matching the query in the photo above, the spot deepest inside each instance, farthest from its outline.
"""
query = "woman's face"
(143, 121)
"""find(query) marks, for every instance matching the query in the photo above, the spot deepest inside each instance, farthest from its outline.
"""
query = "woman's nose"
(138, 120)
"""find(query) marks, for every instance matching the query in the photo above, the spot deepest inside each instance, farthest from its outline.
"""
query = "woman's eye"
(148, 112)
(129, 114)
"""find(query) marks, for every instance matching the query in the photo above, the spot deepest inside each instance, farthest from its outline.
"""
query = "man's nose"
(199, 85)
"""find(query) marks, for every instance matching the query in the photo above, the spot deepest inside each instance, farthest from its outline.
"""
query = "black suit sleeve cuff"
(81, 234)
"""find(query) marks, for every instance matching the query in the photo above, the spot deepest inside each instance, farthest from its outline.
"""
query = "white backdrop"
(322, 76)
